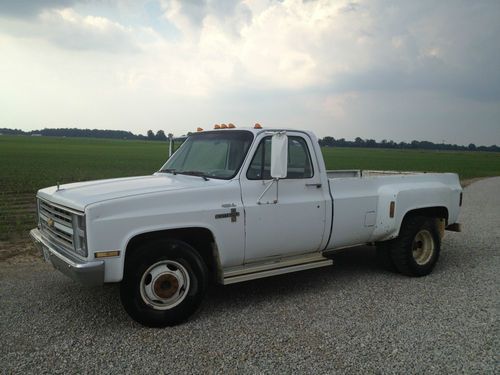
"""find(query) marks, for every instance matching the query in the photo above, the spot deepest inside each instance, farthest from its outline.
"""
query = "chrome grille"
(57, 223)
(56, 213)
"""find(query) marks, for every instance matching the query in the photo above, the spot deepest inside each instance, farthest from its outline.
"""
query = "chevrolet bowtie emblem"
(50, 222)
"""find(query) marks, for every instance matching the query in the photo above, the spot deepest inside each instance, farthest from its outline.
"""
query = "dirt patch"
(18, 247)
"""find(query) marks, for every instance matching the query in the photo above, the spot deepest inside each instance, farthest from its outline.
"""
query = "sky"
(400, 70)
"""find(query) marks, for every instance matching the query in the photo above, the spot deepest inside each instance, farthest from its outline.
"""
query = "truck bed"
(343, 173)
(364, 197)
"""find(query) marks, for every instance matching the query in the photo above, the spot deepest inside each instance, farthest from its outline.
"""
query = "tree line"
(324, 142)
(421, 145)
(88, 133)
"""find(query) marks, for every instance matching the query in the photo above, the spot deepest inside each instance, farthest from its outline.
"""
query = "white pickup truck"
(232, 205)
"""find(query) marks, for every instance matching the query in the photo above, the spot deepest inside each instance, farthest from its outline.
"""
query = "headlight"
(79, 235)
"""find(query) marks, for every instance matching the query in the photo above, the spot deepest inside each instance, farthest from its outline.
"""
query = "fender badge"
(233, 215)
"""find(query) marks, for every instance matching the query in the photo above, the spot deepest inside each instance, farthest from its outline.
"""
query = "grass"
(30, 163)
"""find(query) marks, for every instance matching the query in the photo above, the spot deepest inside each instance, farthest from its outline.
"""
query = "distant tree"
(160, 136)
(341, 142)
(471, 147)
(370, 143)
(150, 134)
(6, 131)
(329, 141)
(358, 141)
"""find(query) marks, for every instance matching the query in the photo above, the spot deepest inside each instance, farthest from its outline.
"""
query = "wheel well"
(436, 212)
(201, 239)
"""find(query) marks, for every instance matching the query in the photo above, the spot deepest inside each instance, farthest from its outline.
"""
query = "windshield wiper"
(195, 173)
(168, 170)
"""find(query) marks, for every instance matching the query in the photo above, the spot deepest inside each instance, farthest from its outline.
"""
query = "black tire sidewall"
(425, 269)
(137, 265)
(402, 252)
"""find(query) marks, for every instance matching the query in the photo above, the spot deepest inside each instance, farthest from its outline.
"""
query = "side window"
(299, 160)
(260, 167)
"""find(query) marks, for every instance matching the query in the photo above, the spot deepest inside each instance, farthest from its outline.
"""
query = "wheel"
(164, 283)
(384, 256)
(416, 251)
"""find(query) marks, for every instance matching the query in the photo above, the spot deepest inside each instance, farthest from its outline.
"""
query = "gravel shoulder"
(352, 317)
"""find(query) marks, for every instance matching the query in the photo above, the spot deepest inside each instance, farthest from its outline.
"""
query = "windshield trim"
(201, 134)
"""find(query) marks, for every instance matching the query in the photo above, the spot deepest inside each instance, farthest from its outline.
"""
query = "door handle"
(315, 184)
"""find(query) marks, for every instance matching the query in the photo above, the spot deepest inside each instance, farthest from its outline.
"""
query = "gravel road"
(349, 318)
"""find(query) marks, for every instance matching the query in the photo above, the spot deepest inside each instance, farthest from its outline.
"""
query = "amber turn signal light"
(106, 254)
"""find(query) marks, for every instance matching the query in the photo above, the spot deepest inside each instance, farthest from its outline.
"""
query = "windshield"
(216, 154)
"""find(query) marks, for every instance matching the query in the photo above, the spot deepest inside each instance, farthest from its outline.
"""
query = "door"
(295, 224)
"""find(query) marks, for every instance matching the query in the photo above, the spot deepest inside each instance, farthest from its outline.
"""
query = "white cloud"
(71, 30)
(286, 62)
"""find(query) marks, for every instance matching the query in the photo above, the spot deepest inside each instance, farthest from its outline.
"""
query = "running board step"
(278, 268)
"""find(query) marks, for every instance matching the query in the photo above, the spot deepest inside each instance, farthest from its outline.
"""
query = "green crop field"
(30, 163)
(467, 164)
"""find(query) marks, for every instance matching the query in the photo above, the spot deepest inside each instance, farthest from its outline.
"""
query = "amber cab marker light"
(231, 126)
(392, 207)
(216, 126)
(223, 126)
(257, 126)
(199, 129)
(107, 254)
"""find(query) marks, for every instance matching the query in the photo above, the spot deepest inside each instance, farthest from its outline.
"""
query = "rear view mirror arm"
(266, 189)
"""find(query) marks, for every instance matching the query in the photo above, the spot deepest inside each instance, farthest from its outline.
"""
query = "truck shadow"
(349, 268)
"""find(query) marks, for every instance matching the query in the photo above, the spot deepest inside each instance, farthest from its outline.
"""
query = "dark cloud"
(350, 7)
(452, 48)
(30, 8)
(195, 10)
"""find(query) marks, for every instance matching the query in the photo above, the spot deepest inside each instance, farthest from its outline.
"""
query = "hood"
(81, 194)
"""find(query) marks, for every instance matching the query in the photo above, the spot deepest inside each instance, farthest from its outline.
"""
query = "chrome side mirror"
(279, 163)
(279, 155)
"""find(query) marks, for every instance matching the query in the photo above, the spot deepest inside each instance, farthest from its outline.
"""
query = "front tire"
(164, 283)
(416, 251)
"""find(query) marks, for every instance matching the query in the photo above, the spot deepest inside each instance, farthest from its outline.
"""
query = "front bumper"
(87, 273)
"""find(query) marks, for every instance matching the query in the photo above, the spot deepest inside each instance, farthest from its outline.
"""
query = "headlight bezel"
(80, 235)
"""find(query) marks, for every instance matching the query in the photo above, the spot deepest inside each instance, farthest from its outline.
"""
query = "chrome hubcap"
(164, 285)
(423, 247)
